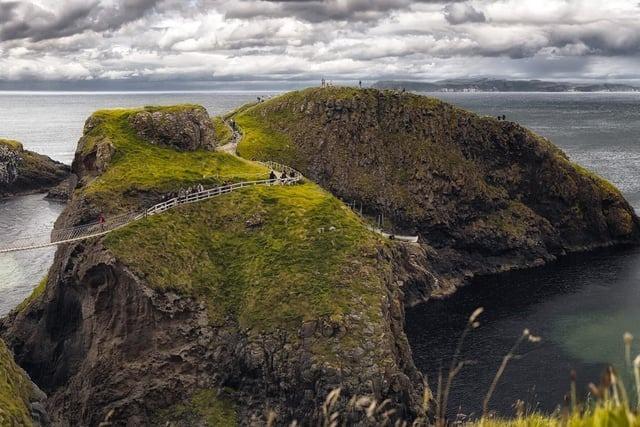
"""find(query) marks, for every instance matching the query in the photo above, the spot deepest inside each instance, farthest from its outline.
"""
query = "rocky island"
(258, 304)
(23, 171)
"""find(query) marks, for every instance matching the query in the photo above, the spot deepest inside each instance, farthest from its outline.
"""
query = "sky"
(88, 41)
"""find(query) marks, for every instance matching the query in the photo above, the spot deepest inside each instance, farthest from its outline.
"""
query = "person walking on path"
(101, 221)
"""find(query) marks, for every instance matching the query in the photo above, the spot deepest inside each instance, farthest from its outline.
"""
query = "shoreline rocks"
(24, 172)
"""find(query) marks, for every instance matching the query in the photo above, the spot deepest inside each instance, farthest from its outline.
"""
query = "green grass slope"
(139, 167)
(267, 257)
(15, 392)
(223, 133)
(270, 257)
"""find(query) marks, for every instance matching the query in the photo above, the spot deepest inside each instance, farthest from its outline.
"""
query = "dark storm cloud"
(316, 10)
(22, 20)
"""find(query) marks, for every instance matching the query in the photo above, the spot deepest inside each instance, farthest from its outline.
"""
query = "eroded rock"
(186, 128)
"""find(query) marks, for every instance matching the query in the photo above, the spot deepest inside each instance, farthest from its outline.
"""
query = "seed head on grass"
(526, 336)
(454, 368)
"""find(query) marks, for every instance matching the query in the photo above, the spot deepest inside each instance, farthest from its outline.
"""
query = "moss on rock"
(16, 391)
(205, 408)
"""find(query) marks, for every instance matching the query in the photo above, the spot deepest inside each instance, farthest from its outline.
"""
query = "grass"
(260, 255)
(14, 145)
(35, 294)
(602, 183)
(15, 391)
(223, 133)
(262, 141)
(205, 407)
(605, 415)
(138, 166)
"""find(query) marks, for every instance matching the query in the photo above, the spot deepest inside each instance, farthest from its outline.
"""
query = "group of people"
(325, 83)
(502, 118)
(183, 192)
(284, 176)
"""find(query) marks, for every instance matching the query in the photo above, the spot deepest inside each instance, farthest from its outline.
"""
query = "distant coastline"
(499, 85)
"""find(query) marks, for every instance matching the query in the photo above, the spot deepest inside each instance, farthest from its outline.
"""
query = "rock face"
(23, 171)
(186, 128)
(485, 196)
(9, 162)
(101, 340)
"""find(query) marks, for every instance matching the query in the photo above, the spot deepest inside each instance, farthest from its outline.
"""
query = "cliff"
(217, 312)
(23, 171)
(484, 195)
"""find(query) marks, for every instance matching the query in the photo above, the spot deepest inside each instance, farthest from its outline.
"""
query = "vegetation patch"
(35, 294)
(223, 133)
(602, 183)
(138, 166)
(268, 257)
(14, 145)
(608, 415)
(15, 391)
(262, 140)
(205, 407)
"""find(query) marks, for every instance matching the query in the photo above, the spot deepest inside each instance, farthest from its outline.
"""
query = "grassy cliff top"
(136, 165)
(14, 145)
(434, 168)
(268, 257)
(15, 391)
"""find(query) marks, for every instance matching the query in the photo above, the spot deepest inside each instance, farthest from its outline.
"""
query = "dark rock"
(23, 171)
(186, 128)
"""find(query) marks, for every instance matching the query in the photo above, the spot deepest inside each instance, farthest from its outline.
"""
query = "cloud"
(461, 13)
(350, 39)
(27, 19)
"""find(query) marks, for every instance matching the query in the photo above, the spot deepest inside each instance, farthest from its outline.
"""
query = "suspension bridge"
(97, 229)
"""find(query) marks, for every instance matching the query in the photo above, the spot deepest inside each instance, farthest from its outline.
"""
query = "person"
(504, 117)
(283, 177)
(499, 118)
(272, 175)
(360, 83)
(101, 221)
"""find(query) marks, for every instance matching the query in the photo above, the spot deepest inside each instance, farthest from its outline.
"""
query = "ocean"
(580, 306)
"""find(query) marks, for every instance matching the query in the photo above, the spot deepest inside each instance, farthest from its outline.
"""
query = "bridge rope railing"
(96, 229)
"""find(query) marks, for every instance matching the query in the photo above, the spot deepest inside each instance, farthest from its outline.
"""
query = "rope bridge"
(96, 229)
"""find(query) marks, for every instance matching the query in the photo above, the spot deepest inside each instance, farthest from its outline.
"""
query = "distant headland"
(500, 85)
